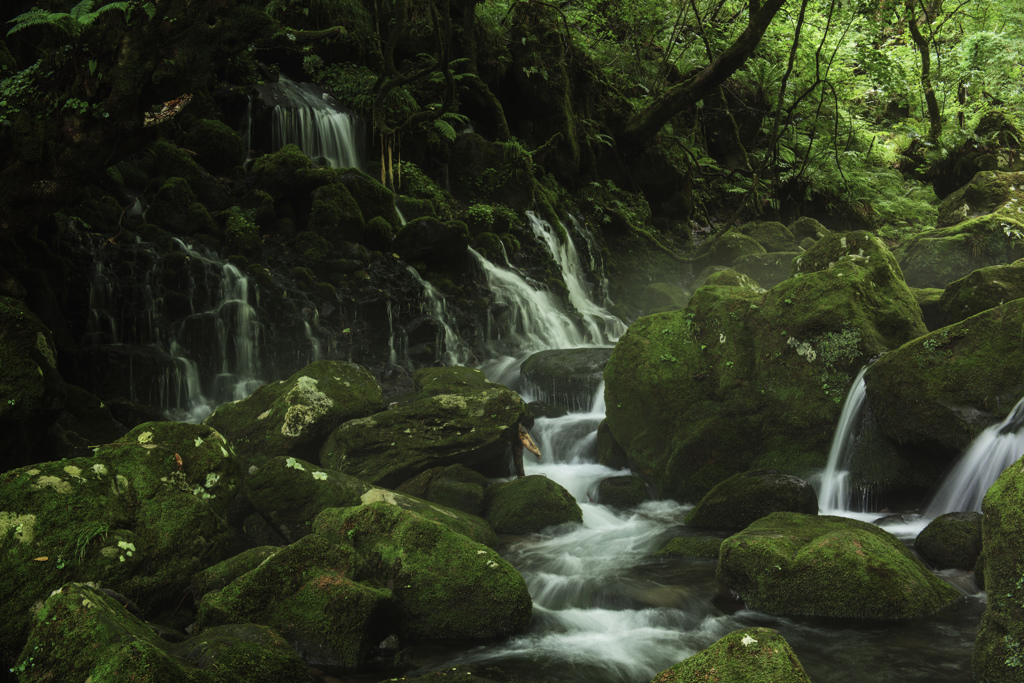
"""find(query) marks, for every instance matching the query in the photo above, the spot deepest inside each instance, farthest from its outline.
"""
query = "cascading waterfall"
(834, 496)
(995, 449)
(308, 117)
(450, 349)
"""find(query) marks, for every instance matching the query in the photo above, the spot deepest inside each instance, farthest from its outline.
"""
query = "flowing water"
(834, 494)
(306, 116)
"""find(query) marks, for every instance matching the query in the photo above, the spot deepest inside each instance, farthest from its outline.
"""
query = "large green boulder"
(622, 492)
(726, 247)
(445, 585)
(316, 593)
(771, 235)
(978, 226)
(981, 290)
(81, 633)
(177, 209)
(455, 486)
(951, 541)
(933, 395)
(294, 417)
(528, 504)
(767, 269)
(390, 447)
(999, 647)
(438, 245)
(746, 379)
(745, 498)
(750, 655)
(33, 391)
(218, 148)
(469, 525)
(793, 564)
(565, 377)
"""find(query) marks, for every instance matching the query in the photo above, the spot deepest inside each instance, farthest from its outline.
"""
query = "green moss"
(788, 563)
(529, 504)
(951, 541)
(746, 497)
(751, 655)
(218, 148)
(177, 209)
(691, 546)
(336, 215)
(241, 234)
(981, 290)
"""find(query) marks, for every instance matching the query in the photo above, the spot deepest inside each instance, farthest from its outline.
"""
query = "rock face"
(744, 379)
(82, 633)
(455, 486)
(999, 648)
(981, 290)
(745, 498)
(750, 655)
(565, 377)
(529, 504)
(390, 447)
(622, 492)
(951, 541)
(295, 417)
(978, 226)
(793, 564)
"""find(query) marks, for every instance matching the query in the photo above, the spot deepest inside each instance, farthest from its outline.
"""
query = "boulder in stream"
(529, 504)
(745, 498)
(951, 541)
(747, 655)
(981, 290)
(819, 565)
(565, 377)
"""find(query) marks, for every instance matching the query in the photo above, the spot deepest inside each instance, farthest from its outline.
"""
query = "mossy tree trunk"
(923, 44)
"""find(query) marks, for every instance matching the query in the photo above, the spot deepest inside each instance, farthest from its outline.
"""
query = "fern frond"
(445, 129)
(82, 9)
(41, 17)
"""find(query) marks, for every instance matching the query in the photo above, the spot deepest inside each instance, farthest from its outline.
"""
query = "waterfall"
(834, 496)
(307, 116)
(450, 348)
(995, 449)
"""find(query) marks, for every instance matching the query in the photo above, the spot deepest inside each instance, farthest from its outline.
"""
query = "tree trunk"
(924, 47)
(646, 123)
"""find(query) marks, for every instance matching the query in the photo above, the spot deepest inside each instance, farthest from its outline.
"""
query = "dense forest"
(286, 286)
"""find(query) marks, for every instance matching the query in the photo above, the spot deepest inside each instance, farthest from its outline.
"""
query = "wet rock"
(80, 633)
(747, 379)
(565, 377)
(622, 492)
(750, 654)
(609, 452)
(691, 546)
(455, 486)
(438, 245)
(983, 289)
(482, 596)
(767, 269)
(294, 417)
(744, 498)
(469, 525)
(33, 392)
(218, 148)
(529, 504)
(793, 564)
(951, 541)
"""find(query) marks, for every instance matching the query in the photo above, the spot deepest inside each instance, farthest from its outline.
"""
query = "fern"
(445, 129)
(68, 24)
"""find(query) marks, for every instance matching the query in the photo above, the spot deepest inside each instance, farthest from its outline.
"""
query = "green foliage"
(70, 24)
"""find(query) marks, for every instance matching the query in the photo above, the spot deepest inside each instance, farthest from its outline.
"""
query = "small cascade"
(306, 116)
(834, 496)
(989, 454)
(596, 261)
(398, 346)
(450, 348)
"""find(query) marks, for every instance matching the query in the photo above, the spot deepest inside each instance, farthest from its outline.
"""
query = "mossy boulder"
(928, 299)
(454, 379)
(565, 377)
(445, 585)
(487, 172)
(336, 215)
(165, 160)
(999, 647)
(82, 633)
(746, 379)
(374, 200)
(951, 541)
(455, 486)
(177, 209)
(818, 565)
(84, 422)
(241, 234)
(767, 269)
(288, 173)
(469, 525)
(807, 227)
(289, 493)
(218, 148)
(771, 235)
(983, 289)
(390, 447)
(933, 395)
(439, 245)
(295, 416)
(691, 546)
(609, 452)
(221, 574)
(726, 247)
(33, 391)
(978, 226)
(316, 593)
(528, 504)
(749, 655)
(661, 296)
(745, 498)
(622, 492)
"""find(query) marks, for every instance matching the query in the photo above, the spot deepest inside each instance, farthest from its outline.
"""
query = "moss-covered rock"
(436, 244)
(288, 173)
(768, 269)
(609, 452)
(469, 525)
(934, 394)
(951, 541)
(241, 234)
(290, 493)
(374, 199)
(390, 447)
(487, 172)
(793, 564)
(177, 209)
(771, 235)
(221, 574)
(983, 289)
(313, 592)
(805, 227)
(999, 647)
(663, 296)
(745, 498)
(529, 504)
(978, 226)
(746, 379)
(336, 214)
(165, 160)
(218, 148)
(33, 392)
(750, 655)
(455, 486)
(81, 633)
(445, 585)
(622, 492)
(691, 546)
(565, 377)
(294, 417)
(726, 247)
(928, 299)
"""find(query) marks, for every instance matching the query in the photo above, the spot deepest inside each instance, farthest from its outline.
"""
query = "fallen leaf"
(44, 558)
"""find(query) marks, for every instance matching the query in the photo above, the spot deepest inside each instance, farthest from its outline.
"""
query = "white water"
(310, 118)
(834, 496)
(450, 349)
(989, 454)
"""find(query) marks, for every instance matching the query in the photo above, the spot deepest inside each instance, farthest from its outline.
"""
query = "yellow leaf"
(44, 558)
